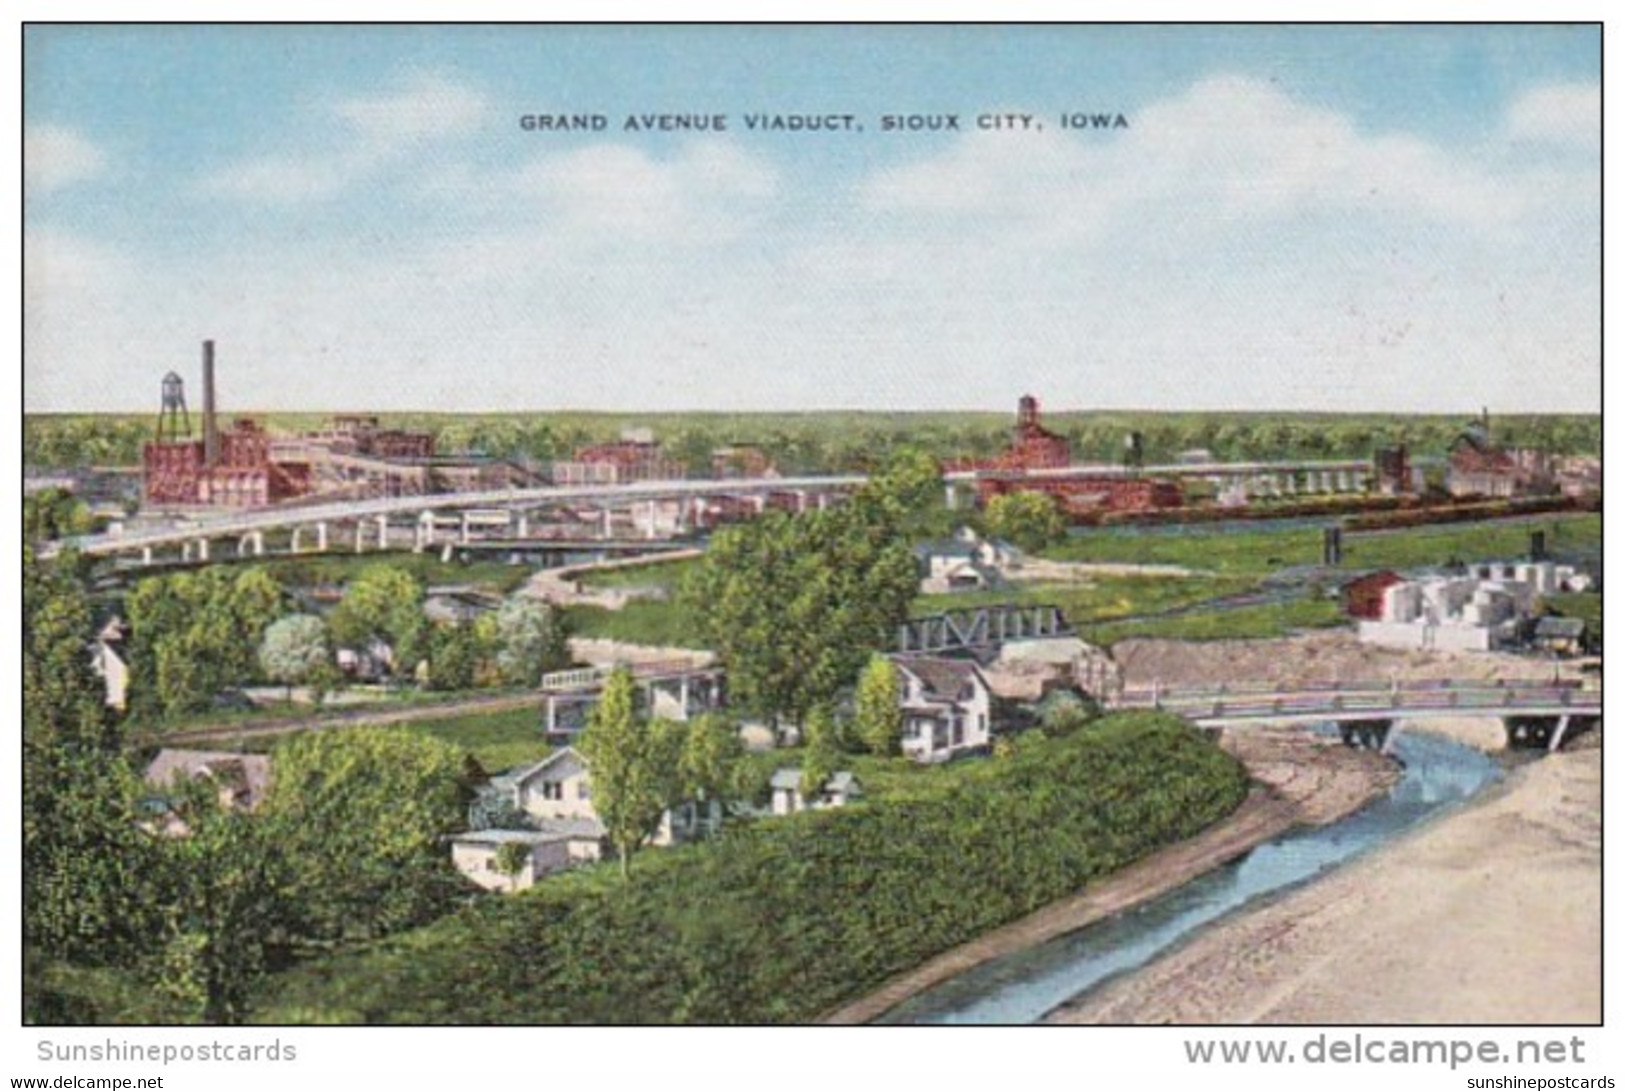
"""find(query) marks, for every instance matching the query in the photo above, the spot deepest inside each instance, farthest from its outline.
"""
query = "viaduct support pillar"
(1558, 732)
(321, 537)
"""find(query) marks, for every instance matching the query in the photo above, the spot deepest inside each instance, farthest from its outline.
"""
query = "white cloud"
(288, 179)
(374, 133)
(709, 190)
(426, 107)
(1228, 148)
(54, 157)
(1569, 113)
(58, 262)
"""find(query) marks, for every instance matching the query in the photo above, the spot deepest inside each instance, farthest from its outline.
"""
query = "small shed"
(1362, 597)
(839, 790)
(1559, 635)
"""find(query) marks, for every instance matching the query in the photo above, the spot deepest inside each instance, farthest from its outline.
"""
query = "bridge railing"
(1250, 700)
(593, 677)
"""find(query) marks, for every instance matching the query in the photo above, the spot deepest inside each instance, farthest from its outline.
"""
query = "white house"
(947, 706)
(1480, 611)
(555, 848)
(556, 796)
(560, 787)
(108, 663)
(966, 562)
(839, 790)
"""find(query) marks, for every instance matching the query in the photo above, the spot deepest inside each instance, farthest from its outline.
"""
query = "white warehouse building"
(1480, 611)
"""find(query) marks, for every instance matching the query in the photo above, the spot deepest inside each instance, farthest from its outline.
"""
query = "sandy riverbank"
(1318, 657)
(1489, 915)
(1303, 780)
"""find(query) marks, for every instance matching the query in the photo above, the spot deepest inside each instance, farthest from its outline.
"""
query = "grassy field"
(667, 574)
(1100, 598)
(643, 622)
(497, 740)
(1259, 552)
(1470, 541)
(313, 570)
(1240, 623)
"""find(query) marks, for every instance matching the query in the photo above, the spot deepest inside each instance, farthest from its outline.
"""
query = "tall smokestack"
(211, 430)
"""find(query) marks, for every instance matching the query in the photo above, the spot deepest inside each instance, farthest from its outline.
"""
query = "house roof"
(1387, 577)
(547, 832)
(516, 777)
(1560, 628)
(842, 782)
(945, 547)
(942, 678)
(248, 773)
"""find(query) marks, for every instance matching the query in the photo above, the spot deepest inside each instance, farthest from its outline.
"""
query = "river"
(1022, 987)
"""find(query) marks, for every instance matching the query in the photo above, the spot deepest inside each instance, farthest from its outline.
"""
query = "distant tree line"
(860, 442)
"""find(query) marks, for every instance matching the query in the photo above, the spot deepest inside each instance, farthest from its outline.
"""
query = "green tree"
(794, 606)
(1065, 711)
(879, 708)
(822, 755)
(361, 815)
(712, 751)
(53, 513)
(193, 634)
(295, 650)
(86, 863)
(255, 601)
(384, 603)
(454, 656)
(225, 906)
(1032, 520)
(511, 859)
(532, 638)
(633, 767)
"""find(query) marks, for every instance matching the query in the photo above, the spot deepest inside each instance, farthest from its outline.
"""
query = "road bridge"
(1371, 712)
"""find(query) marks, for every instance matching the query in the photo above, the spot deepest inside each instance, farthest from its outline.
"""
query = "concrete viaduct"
(427, 521)
(431, 520)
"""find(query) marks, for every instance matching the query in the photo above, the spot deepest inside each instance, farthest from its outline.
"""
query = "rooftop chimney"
(211, 429)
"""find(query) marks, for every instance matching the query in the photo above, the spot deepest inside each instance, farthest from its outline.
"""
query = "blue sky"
(1295, 218)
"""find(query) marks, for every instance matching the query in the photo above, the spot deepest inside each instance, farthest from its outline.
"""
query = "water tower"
(174, 423)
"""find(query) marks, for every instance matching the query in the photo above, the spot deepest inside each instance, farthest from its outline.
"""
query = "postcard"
(751, 525)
